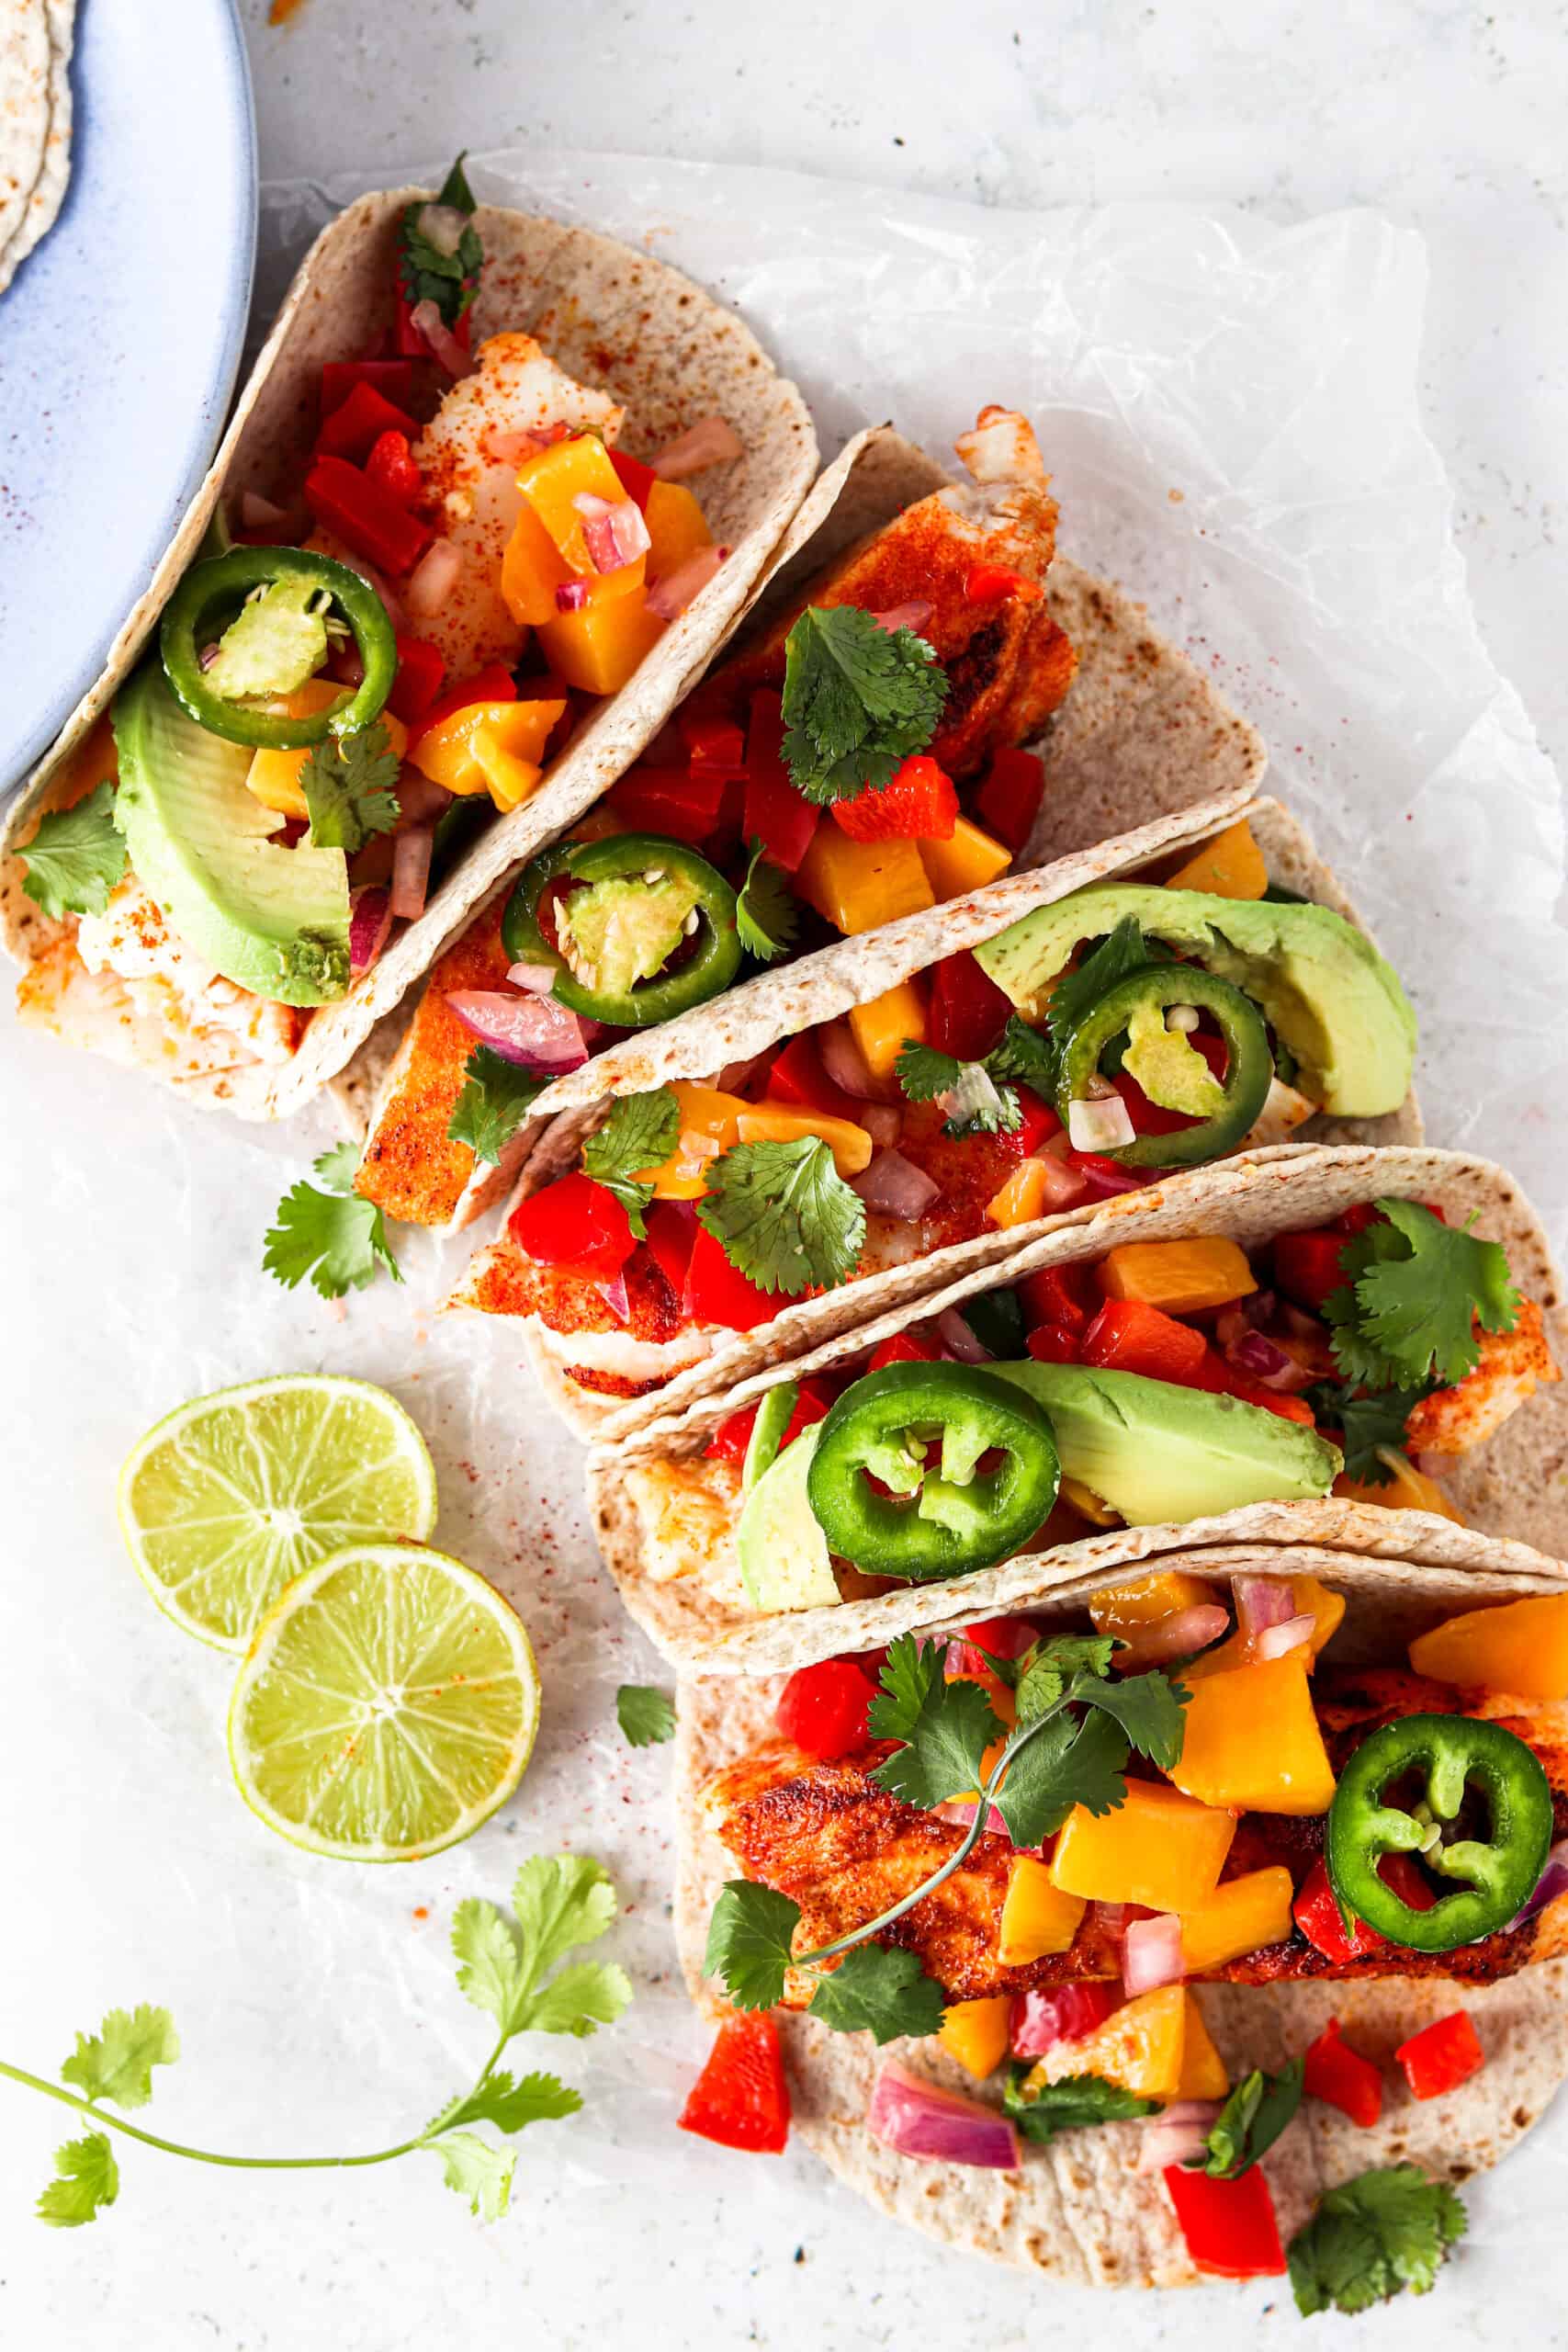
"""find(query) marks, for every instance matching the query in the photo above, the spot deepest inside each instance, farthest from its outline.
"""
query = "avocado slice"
(274, 920)
(784, 1553)
(1325, 989)
(1155, 1452)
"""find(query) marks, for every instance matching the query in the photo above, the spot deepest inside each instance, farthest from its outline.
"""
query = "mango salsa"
(785, 1122)
(1521, 1647)
(1203, 2069)
(1241, 1915)
(554, 479)
(1406, 1488)
(707, 1116)
(514, 733)
(1251, 1740)
(857, 885)
(1310, 1599)
(1021, 1199)
(1037, 1918)
(598, 648)
(975, 2033)
(1125, 1609)
(1177, 1276)
(1230, 867)
(532, 569)
(1161, 1848)
(883, 1027)
(966, 862)
(1141, 2048)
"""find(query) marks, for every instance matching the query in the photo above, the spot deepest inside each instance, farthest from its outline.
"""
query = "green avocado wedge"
(272, 920)
(783, 1552)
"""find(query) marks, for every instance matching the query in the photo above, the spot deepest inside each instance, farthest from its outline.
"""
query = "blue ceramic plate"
(119, 339)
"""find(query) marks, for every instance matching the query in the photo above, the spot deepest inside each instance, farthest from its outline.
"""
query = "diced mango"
(709, 1125)
(975, 2033)
(675, 526)
(532, 569)
(274, 775)
(785, 1122)
(1250, 1739)
(599, 648)
(554, 479)
(1520, 1647)
(1310, 1598)
(1021, 1199)
(446, 753)
(1177, 1276)
(1086, 1503)
(1141, 2047)
(1230, 865)
(1406, 1488)
(883, 1027)
(966, 862)
(857, 885)
(1241, 1915)
(1037, 1916)
(1160, 1846)
(1203, 2072)
(509, 780)
(1125, 1608)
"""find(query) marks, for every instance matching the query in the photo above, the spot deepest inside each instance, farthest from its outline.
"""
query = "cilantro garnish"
(1022, 1055)
(766, 915)
(426, 274)
(350, 783)
(1251, 2120)
(496, 1099)
(559, 1903)
(641, 1132)
(1051, 1664)
(1371, 1427)
(978, 1105)
(883, 1993)
(750, 1935)
(1387, 2229)
(858, 701)
(1076, 993)
(1416, 1289)
(646, 1716)
(75, 857)
(783, 1215)
(328, 1232)
(1071, 2105)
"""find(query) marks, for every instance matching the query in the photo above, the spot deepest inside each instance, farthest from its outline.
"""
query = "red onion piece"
(916, 2118)
(958, 1338)
(1065, 1186)
(571, 595)
(883, 1122)
(1433, 1465)
(848, 1067)
(961, 1812)
(259, 513)
(410, 870)
(426, 320)
(369, 921)
(895, 1189)
(1105, 1179)
(540, 979)
(344, 667)
(914, 614)
(1064, 2013)
(1176, 1637)
(1266, 1362)
(534, 1032)
(432, 579)
(668, 598)
(1261, 1600)
(1178, 2134)
(1151, 1953)
(614, 533)
(709, 442)
(1552, 1882)
(615, 1298)
(420, 800)
(1277, 1641)
(209, 655)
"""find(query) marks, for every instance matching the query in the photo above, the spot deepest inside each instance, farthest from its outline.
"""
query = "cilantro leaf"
(979, 1106)
(783, 1215)
(75, 857)
(881, 1992)
(858, 700)
(1051, 1664)
(946, 1728)
(490, 1965)
(495, 1099)
(646, 1716)
(1147, 1707)
(579, 2000)
(1371, 1427)
(1022, 1055)
(1388, 2228)
(350, 783)
(561, 1900)
(328, 1232)
(87, 2179)
(1416, 1289)
(766, 914)
(117, 2061)
(925, 1072)
(1063, 1763)
(1076, 993)
(640, 1132)
(1251, 2120)
(910, 1671)
(428, 275)
(1071, 2105)
(496, 2098)
(750, 1937)
(477, 2171)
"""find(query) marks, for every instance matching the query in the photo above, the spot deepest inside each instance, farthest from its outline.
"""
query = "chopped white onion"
(973, 1095)
(1100, 1126)
(895, 1188)
(1151, 1953)
(432, 579)
(668, 598)
(709, 442)
(442, 225)
(1275, 1640)
(410, 870)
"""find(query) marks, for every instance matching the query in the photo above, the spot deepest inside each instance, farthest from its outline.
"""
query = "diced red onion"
(895, 1188)
(958, 1338)
(883, 1122)
(1181, 2133)
(914, 614)
(615, 1298)
(442, 225)
(534, 1032)
(420, 799)
(614, 533)
(1277, 1641)
(1178, 1635)
(709, 442)
(426, 320)
(1266, 1362)
(432, 579)
(917, 2118)
(1244, 1315)
(668, 598)
(1042, 2019)
(963, 1813)
(410, 870)
(848, 1067)
(1107, 1179)
(209, 655)
(1065, 1186)
(1102, 1126)
(540, 979)
(1552, 1882)
(1151, 1953)
(259, 513)
(369, 921)
(571, 595)
(1260, 1601)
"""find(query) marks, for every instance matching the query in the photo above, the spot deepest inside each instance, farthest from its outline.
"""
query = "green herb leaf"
(1251, 2120)
(946, 1728)
(87, 2179)
(75, 857)
(1148, 1707)
(426, 274)
(640, 1132)
(926, 1073)
(646, 1716)
(783, 1215)
(495, 1099)
(328, 1232)
(496, 2098)
(1076, 993)
(117, 2061)
(579, 2000)
(858, 700)
(477, 2171)
(1387, 2229)
(750, 1936)
(1071, 2105)
(350, 783)
(561, 1900)
(1063, 1763)
(1370, 1426)
(766, 913)
(881, 1992)
(1022, 1055)
(1416, 1289)
(1051, 1664)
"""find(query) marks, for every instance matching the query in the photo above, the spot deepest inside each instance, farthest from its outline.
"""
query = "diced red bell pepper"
(392, 468)
(1037, 1123)
(823, 1708)
(408, 338)
(774, 812)
(903, 1348)
(741, 2098)
(492, 683)
(716, 747)
(1441, 2056)
(635, 478)
(670, 1228)
(1106, 1177)
(363, 518)
(968, 1012)
(1343, 2078)
(419, 672)
(797, 1076)
(1059, 1295)
(1357, 1217)
(988, 583)
(717, 1292)
(1053, 1343)
(396, 380)
(1402, 1872)
(575, 1226)
(730, 1440)
(672, 801)
(1128, 1335)
(1061, 2013)
(1307, 1267)
(918, 803)
(1229, 2225)
(1317, 1915)
(1008, 801)
(1222, 1379)
(352, 429)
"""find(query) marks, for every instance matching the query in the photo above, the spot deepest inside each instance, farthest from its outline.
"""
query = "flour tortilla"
(1513, 1490)
(611, 316)
(25, 67)
(29, 214)
(1078, 2212)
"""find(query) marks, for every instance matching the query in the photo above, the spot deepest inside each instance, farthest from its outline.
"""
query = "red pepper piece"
(730, 1440)
(1229, 2225)
(1343, 2078)
(1317, 1915)
(670, 801)
(493, 684)
(1307, 1267)
(353, 427)
(392, 466)
(988, 583)
(419, 672)
(716, 746)
(671, 1225)
(635, 478)
(741, 2098)
(1128, 1335)
(1222, 1379)
(1063, 2013)
(797, 1076)
(903, 1348)
(823, 1708)
(363, 518)
(968, 1012)
(1037, 1123)
(576, 1226)
(396, 380)
(717, 1292)
(775, 813)
(1053, 1343)
(1008, 800)
(1356, 1218)
(1059, 1295)
(919, 803)
(1441, 2056)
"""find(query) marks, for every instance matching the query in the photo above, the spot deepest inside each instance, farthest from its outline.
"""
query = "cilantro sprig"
(559, 1903)
(426, 274)
(783, 1215)
(983, 1095)
(1251, 2122)
(766, 914)
(858, 701)
(75, 857)
(1076, 993)
(1416, 1289)
(641, 1132)
(1371, 1427)
(328, 1232)
(350, 783)
(1072, 2104)
(495, 1099)
(1388, 2229)
(646, 1716)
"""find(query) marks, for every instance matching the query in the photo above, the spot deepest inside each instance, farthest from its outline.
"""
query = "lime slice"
(233, 1495)
(388, 1706)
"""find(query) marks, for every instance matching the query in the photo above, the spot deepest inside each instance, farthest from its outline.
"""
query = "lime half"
(388, 1706)
(235, 1494)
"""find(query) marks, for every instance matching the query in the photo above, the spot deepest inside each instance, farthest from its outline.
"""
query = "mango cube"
(1406, 1488)
(1203, 2069)
(785, 1122)
(1037, 1918)
(1161, 1848)
(509, 780)
(975, 2033)
(966, 861)
(1021, 1199)
(532, 569)
(598, 648)
(709, 1125)
(1125, 1609)
(890, 1021)
(1521, 1647)
(1241, 1915)
(857, 885)
(1230, 866)
(554, 479)
(675, 526)
(1177, 1276)
(1141, 2048)
(1250, 1739)
(449, 755)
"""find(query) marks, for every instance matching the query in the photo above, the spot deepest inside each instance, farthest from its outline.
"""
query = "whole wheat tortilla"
(1078, 2211)
(20, 233)
(611, 316)
(1513, 1490)
(26, 65)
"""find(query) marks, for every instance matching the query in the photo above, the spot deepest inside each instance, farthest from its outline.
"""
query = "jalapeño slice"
(1249, 1066)
(630, 858)
(208, 599)
(921, 1430)
(1484, 1818)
